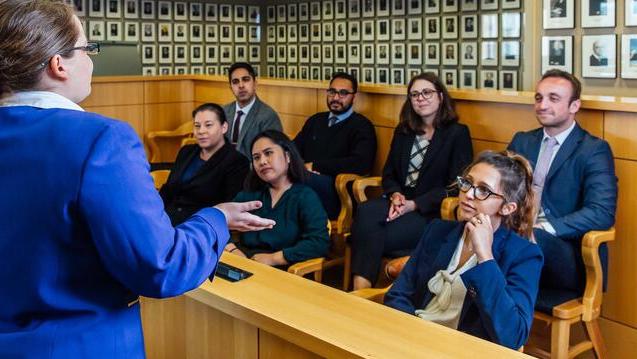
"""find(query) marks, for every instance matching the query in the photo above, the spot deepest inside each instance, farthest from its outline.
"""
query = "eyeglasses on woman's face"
(426, 94)
(91, 48)
(479, 191)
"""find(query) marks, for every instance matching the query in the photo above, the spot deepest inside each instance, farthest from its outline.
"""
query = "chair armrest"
(160, 177)
(448, 208)
(395, 266)
(345, 217)
(374, 294)
(308, 266)
(184, 130)
(592, 298)
(360, 185)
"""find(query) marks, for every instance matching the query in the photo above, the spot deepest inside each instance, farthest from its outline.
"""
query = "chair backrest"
(183, 131)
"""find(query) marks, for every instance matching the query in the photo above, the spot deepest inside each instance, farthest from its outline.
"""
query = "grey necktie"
(331, 121)
(542, 166)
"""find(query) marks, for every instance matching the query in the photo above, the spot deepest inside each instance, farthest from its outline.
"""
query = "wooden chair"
(181, 132)
(340, 229)
(159, 177)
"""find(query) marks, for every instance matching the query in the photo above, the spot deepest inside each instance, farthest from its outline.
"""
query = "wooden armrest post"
(448, 208)
(345, 217)
(592, 298)
(360, 185)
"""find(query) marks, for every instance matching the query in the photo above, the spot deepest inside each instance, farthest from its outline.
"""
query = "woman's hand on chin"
(480, 232)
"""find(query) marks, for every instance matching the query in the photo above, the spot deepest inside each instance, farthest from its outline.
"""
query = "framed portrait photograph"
(414, 51)
(340, 11)
(414, 7)
(304, 72)
(450, 53)
(315, 53)
(149, 71)
(181, 70)
(629, 56)
(240, 13)
(353, 8)
(598, 13)
(368, 54)
(468, 79)
(304, 32)
(148, 9)
(368, 30)
(382, 7)
(210, 12)
(510, 53)
(398, 7)
(131, 31)
(489, 53)
(226, 55)
(469, 5)
(355, 71)
(432, 30)
(96, 9)
(316, 32)
(241, 53)
(558, 14)
(113, 10)
(197, 70)
(368, 8)
(292, 12)
(180, 31)
(181, 12)
(148, 32)
(341, 54)
(254, 34)
(292, 33)
(240, 33)
(212, 70)
(354, 30)
(212, 54)
(327, 73)
(315, 73)
(488, 4)
(450, 27)
(254, 15)
(271, 71)
(181, 54)
(449, 78)
(450, 6)
(509, 80)
(304, 53)
(382, 75)
(80, 10)
(413, 73)
(469, 53)
(382, 54)
(434, 71)
(164, 10)
(96, 30)
(315, 10)
(131, 10)
(354, 54)
(511, 24)
(398, 54)
(148, 54)
(225, 12)
(489, 79)
(432, 6)
(271, 33)
(270, 53)
(282, 53)
(599, 56)
(398, 29)
(196, 54)
(304, 11)
(226, 33)
(292, 72)
(630, 12)
(212, 33)
(165, 70)
(511, 4)
(293, 55)
(165, 54)
(557, 53)
(397, 76)
(328, 54)
(431, 54)
(271, 14)
(368, 75)
(469, 26)
(489, 26)
(382, 29)
(340, 31)
(195, 11)
(414, 26)
(328, 31)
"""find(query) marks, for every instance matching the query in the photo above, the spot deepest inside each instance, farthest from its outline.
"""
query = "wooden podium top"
(333, 323)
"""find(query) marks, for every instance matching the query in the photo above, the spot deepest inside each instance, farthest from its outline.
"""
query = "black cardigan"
(217, 181)
(449, 152)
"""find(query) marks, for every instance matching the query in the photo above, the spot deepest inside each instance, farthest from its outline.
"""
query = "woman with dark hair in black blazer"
(429, 149)
(207, 173)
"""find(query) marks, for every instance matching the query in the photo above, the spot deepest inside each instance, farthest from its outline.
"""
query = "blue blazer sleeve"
(131, 231)
(506, 300)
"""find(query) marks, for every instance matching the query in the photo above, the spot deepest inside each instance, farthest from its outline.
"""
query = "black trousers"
(373, 237)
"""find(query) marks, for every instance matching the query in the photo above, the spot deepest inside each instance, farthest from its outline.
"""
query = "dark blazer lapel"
(407, 141)
(436, 143)
(534, 144)
(250, 120)
(230, 119)
(566, 150)
(179, 171)
(442, 259)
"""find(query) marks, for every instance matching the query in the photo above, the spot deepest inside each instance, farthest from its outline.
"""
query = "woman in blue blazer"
(479, 275)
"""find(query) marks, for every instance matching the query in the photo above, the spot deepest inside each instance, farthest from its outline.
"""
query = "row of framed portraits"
(165, 10)
(133, 31)
(348, 9)
(506, 25)
(560, 14)
(467, 53)
(599, 55)
(199, 54)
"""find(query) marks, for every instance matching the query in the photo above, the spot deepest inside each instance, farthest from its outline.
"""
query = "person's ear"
(574, 106)
(224, 127)
(508, 208)
(57, 68)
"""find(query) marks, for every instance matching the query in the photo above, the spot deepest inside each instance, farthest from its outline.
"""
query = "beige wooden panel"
(383, 138)
(164, 327)
(621, 340)
(118, 93)
(592, 121)
(216, 92)
(480, 145)
(620, 130)
(381, 109)
(132, 114)
(619, 301)
(169, 91)
(290, 100)
(292, 124)
(273, 347)
(496, 121)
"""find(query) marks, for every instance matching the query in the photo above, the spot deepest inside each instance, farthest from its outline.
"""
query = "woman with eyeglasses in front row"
(429, 149)
(479, 275)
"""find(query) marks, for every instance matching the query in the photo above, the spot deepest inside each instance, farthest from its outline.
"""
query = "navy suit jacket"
(580, 190)
(501, 293)
(260, 118)
(83, 233)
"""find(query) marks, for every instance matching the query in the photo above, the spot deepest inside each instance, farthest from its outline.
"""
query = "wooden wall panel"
(480, 145)
(619, 301)
(169, 91)
(273, 347)
(592, 121)
(621, 340)
(115, 94)
(290, 100)
(383, 140)
(382, 110)
(495, 121)
(292, 124)
(216, 92)
(620, 129)
(132, 114)
(156, 316)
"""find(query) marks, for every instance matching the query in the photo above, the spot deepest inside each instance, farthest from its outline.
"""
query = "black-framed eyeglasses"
(479, 192)
(91, 48)
(342, 93)
(426, 94)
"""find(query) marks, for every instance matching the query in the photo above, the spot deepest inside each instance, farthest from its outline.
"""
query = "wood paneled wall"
(162, 103)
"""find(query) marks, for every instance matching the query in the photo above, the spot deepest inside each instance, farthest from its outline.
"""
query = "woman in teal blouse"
(276, 180)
